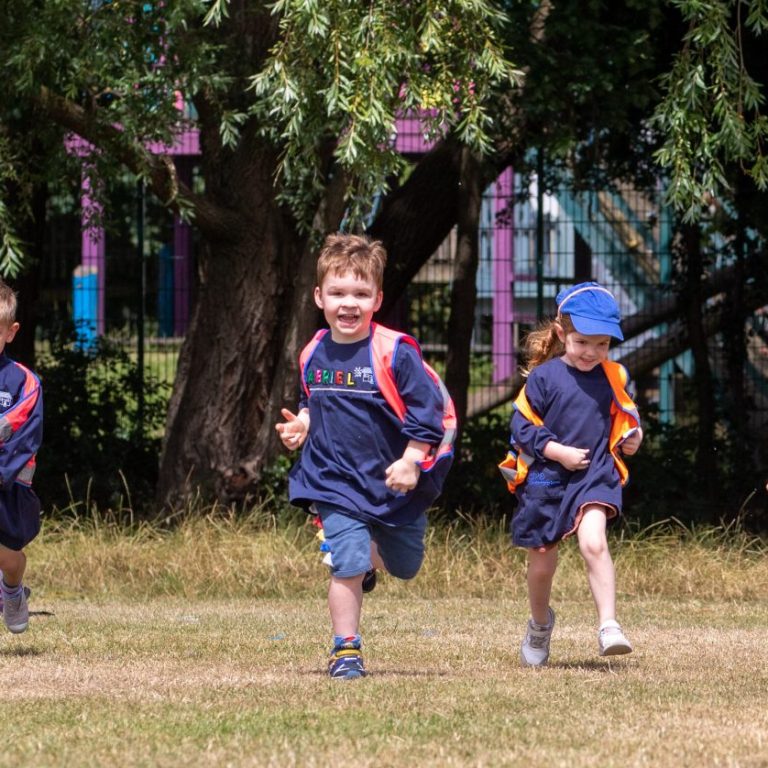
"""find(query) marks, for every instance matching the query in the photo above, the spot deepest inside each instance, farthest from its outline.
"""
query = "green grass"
(206, 644)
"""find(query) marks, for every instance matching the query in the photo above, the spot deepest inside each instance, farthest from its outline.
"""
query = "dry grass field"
(205, 645)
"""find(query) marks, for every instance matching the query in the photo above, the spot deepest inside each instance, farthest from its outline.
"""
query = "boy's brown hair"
(8, 305)
(358, 254)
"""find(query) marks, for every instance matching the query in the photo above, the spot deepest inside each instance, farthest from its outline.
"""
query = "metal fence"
(127, 276)
(131, 278)
(534, 242)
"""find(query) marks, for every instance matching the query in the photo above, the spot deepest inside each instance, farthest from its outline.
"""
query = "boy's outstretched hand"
(293, 431)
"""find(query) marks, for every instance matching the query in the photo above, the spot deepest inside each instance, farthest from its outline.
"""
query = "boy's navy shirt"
(18, 447)
(19, 505)
(354, 435)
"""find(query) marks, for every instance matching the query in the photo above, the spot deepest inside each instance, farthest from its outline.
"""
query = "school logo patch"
(539, 478)
(365, 373)
(6, 400)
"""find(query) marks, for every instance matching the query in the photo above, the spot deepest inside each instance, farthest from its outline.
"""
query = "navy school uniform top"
(354, 435)
(576, 408)
(21, 432)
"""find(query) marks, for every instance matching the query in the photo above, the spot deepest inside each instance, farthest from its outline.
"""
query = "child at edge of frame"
(571, 427)
(21, 432)
(369, 474)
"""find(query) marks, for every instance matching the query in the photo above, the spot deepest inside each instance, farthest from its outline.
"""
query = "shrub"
(97, 447)
(474, 484)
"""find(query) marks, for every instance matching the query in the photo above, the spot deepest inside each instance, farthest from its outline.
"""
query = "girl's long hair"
(542, 343)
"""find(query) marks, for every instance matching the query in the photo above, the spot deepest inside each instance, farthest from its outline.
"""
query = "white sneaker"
(27, 592)
(534, 652)
(16, 612)
(611, 640)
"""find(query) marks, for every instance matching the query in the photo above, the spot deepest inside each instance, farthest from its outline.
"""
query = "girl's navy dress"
(576, 409)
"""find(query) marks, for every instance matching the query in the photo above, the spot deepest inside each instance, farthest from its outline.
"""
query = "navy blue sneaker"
(346, 662)
(369, 580)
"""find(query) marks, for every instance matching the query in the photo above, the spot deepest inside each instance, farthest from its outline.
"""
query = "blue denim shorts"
(401, 547)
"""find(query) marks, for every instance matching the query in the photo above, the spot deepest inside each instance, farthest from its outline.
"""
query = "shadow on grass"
(423, 673)
(20, 651)
(591, 665)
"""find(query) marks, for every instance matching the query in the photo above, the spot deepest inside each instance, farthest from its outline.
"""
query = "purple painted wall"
(185, 147)
(92, 246)
(504, 353)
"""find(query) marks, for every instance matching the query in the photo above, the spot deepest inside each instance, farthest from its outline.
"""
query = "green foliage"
(591, 81)
(710, 116)
(343, 72)
(327, 79)
(428, 311)
(474, 482)
(665, 483)
(120, 64)
(94, 447)
(273, 484)
(11, 250)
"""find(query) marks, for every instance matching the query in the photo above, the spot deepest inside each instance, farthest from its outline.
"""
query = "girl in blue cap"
(572, 424)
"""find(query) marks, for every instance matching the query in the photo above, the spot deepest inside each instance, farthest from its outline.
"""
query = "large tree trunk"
(228, 360)
(734, 331)
(233, 347)
(464, 289)
(238, 364)
(417, 217)
(691, 298)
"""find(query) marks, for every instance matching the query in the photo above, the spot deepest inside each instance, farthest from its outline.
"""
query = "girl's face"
(583, 352)
(348, 303)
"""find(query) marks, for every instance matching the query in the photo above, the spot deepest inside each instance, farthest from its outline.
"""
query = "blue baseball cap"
(593, 310)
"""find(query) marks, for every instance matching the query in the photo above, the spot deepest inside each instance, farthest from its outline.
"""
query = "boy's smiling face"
(348, 303)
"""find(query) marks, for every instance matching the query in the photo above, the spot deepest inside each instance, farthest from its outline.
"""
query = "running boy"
(369, 473)
(571, 426)
(21, 432)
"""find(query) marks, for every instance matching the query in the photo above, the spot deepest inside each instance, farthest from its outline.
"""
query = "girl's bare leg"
(593, 545)
(541, 572)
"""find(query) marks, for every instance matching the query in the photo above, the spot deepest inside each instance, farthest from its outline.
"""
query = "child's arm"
(423, 421)
(423, 424)
(571, 458)
(403, 474)
(294, 430)
(21, 432)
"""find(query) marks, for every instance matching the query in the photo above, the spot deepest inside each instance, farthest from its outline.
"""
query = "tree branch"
(418, 216)
(159, 169)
